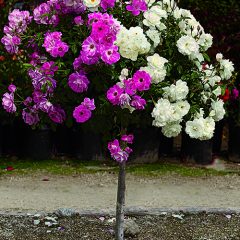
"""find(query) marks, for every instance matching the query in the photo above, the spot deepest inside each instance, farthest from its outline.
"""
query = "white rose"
(219, 57)
(171, 129)
(187, 45)
(162, 112)
(226, 69)
(218, 111)
(155, 61)
(91, 3)
(182, 107)
(176, 92)
(154, 35)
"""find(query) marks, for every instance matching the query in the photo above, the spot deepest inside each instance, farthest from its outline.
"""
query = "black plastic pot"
(9, 140)
(217, 138)
(165, 146)
(87, 145)
(234, 142)
(62, 141)
(195, 150)
(145, 146)
(38, 145)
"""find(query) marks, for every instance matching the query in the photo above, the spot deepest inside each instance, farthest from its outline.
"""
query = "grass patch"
(158, 169)
(72, 167)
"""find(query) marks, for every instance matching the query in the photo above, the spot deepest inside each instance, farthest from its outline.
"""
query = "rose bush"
(157, 61)
(91, 58)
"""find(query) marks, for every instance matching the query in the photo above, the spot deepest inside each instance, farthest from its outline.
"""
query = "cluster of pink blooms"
(44, 85)
(8, 99)
(48, 13)
(137, 6)
(99, 46)
(18, 22)
(125, 93)
(120, 151)
(83, 112)
(100, 43)
(54, 45)
(44, 13)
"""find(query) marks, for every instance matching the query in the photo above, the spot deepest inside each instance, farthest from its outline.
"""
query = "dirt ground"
(190, 227)
(98, 191)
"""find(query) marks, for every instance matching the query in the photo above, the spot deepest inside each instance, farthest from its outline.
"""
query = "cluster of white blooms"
(176, 92)
(169, 111)
(156, 68)
(217, 110)
(153, 17)
(200, 128)
(132, 42)
(226, 69)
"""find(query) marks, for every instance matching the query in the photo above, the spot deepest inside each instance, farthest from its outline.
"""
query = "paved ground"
(98, 191)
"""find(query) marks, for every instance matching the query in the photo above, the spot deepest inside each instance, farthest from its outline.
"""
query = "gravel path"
(98, 191)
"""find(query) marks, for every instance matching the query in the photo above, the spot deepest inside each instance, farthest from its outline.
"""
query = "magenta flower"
(54, 45)
(43, 14)
(235, 93)
(114, 146)
(113, 94)
(89, 47)
(59, 49)
(127, 138)
(117, 153)
(8, 102)
(78, 82)
(45, 106)
(138, 102)
(49, 68)
(89, 104)
(27, 101)
(77, 63)
(18, 21)
(82, 114)
(99, 30)
(57, 114)
(105, 4)
(12, 88)
(38, 96)
(110, 55)
(120, 156)
(31, 117)
(128, 150)
(130, 87)
(124, 99)
(141, 80)
(78, 20)
(89, 60)
(11, 43)
(137, 6)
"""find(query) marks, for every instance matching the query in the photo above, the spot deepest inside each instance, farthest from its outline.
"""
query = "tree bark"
(119, 233)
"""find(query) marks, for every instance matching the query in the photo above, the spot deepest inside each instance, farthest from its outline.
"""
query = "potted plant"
(96, 58)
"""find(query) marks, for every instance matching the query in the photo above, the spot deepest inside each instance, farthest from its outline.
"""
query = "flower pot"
(217, 138)
(195, 150)
(165, 146)
(233, 142)
(145, 145)
(62, 141)
(38, 145)
(9, 140)
(87, 145)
